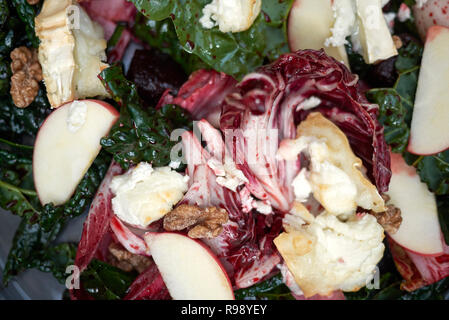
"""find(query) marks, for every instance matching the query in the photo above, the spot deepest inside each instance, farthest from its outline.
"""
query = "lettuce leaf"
(140, 135)
(236, 54)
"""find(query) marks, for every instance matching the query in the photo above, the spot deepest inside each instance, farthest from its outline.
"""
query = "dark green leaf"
(162, 35)
(271, 289)
(233, 53)
(434, 170)
(105, 282)
(140, 135)
(27, 13)
(29, 246)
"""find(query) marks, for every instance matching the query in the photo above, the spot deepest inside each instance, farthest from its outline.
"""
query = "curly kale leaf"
(105, 282)
(33, 242)
(162, 35)
(27, 13)
(16, 123)
(236, 54)
(271, 289)
(140, 135)
(29, 247)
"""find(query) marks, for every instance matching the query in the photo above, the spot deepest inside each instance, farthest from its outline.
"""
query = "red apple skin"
(155, 234)
(434, 12)
(110, 108)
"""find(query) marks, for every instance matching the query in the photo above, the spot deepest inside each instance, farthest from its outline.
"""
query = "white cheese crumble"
(345, 20)
(363, 21)
(144, 195)
(330, 255)
(77, 115)
(228, 175)
(404, 13)
(230, 15)
(301, 186)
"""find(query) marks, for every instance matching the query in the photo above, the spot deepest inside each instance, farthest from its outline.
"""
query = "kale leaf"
(27, 13)
(105, 282)
(236, 54)
(271, 289)
(162, 35)
(140, 135)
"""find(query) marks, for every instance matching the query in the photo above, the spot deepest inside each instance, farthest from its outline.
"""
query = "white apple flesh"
(429, 133)
(62, 156)
(309, 25)
(420, 228)
(189, 269)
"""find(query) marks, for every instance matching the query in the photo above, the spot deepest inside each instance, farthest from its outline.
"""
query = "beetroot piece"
(153, 72)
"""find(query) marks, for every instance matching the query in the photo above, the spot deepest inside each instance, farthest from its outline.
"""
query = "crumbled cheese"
(345, 20)
(301, 186)
(363, 21)
(334, 175)
(77, 115)
(389, 18)
(404, 13)
(144, 195)
(230, 15)
(227, 173)
(263, 207)
(329, 254)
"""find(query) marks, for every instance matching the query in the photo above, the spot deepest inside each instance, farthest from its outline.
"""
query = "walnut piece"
(203, 223)
(32, 2)
(390, 219)
(121, 258)
(27, 73)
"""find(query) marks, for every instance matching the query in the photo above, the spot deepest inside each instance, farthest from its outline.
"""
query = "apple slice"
(420, 228)
(189, 269)
(309, 25)
(66, 145)
(429, 132)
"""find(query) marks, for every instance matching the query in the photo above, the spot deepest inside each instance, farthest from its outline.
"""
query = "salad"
(238, 149)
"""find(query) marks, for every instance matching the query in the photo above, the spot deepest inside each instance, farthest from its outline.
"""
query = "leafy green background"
(236, 54)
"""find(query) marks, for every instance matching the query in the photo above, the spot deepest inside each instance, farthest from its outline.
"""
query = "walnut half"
(27, 73)
(390, 219)
(203, 223)
(121, 258)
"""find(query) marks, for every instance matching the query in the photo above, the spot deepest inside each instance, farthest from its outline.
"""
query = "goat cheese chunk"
(329, 254)
(230, 15)
(364, 22)
(71, 52)
(334, 175)
(144, 195)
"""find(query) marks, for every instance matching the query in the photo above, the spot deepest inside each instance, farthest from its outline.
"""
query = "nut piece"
(27, 73)
(121, 258)
(32, 2)
(204, 223)
(390, 219)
